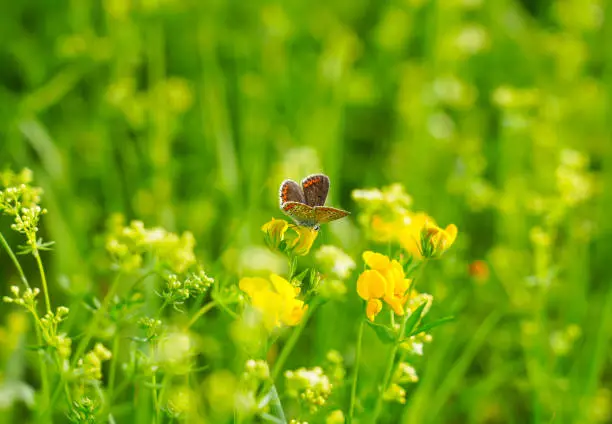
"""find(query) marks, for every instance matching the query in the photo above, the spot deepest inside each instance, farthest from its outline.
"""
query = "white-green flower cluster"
(84, 410)
(151, 326)
(54, 338)
(177, 291)
(90, 367)
(256, 369)
(27, 299)
(311, 386)
(333, 260)
(19, 200)
(128, 245)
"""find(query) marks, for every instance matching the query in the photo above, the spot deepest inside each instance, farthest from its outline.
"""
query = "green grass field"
(142, 146)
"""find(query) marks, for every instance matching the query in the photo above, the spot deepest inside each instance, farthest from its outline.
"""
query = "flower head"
(301, 245)
(312, 386)
(275, 232)
(435, 240)
(297, 242)
(275, 298)
(384, 280)
(127, 245)
(333, 260)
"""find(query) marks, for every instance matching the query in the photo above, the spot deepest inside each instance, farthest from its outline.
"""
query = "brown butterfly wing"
(325, 214)
(290, 191)
(315, 188)
(301, 213)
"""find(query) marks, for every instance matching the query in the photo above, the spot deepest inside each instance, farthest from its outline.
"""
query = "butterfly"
(305, 203)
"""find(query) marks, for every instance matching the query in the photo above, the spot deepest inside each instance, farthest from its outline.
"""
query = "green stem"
(288, 348)
(62, 384)
(282, 358)
(155, 399)
(394, 349)
(389, 370)
(113, 367)
(43, 279)
(161, 308)
(9, 251)
(96, 319)
(356, 373)
(44, 372)
(203, 310)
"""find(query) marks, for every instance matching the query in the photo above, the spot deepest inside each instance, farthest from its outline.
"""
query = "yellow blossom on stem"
(373, 308)
(409, 234)
(435, 240)
(276, 299)
(298, 242)
(275, 232)
(385, 280)
(301, 245)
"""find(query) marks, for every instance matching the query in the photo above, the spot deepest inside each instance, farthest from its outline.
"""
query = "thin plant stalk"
(393, 352)
(389, 370)
(63, 384)
(203, 310)
(11, 254)
(113, 366)
(43, 278)
(44, 372)
(269, 388)
(155, 397)
(96, 319)
(288, 348)
(356, 373)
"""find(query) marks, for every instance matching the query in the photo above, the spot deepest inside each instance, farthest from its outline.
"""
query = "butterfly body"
(305, 203)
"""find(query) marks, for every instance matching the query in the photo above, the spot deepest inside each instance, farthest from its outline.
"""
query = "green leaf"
(385, 334)
(430, 325)
(300, 277)
(314, 278)
(414, 318)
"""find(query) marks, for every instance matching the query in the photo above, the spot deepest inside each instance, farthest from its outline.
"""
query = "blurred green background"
(495, 115)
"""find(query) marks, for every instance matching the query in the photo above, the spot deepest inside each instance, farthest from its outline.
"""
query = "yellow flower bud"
(275, 232)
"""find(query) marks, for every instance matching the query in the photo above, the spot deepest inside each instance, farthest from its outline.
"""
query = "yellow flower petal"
(303, 242)
(252, 285)
(275, 227)
(402, 286)
(373, 307)
(294, 313)
(451, 232)
(409, 235)
(371, 285)
(275, 232)
(375, 260)
(396, 304)
(283, 287)
(269, 304)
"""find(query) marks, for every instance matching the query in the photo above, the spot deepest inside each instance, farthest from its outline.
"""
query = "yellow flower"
(409, 234)
(275, 299)
(373, 308)
(435, 240)
(298, 242)
(275, 232)
(384, 280)
(303, 242)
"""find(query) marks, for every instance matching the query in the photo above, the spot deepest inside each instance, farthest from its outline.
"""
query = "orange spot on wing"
(312, 181)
